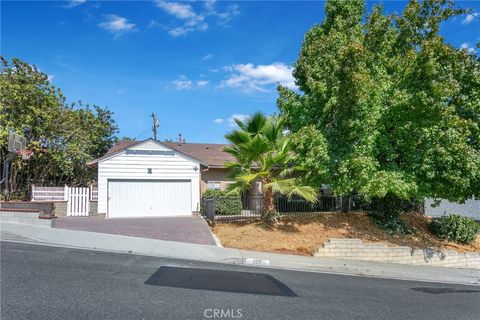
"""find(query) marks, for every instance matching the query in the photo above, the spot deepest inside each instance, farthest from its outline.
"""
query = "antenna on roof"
(156, 124)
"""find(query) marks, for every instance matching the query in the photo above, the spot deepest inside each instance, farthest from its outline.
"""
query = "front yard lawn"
(304, 235)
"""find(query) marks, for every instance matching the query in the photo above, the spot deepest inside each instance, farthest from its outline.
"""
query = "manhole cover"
(219, 280)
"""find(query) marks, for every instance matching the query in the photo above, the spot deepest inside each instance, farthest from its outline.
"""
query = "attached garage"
(148, 179)
(149, 198)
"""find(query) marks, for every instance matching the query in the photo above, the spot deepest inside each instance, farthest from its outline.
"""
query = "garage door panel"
(148, 198)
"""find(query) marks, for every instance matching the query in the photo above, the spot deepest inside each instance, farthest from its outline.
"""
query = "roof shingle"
(211, 154)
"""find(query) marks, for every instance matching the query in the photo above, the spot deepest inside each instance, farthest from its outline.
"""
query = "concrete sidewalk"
(179, 250)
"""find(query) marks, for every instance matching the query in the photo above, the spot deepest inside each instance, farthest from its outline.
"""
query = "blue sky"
(196, 64)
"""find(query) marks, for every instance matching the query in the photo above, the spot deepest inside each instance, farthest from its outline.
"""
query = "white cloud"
(117, 25)
(251, 78)
(182, 84)
(467, 47)
(238, 116)
(176, 9)
(218, 120)
(202, 83)
(153, 24)
(192, 20)
(207, 56)
(50, 77)
(469, 18)
(74, 3)
(224, 17)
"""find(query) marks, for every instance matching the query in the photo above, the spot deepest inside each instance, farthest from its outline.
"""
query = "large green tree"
(398, 107)
(63, 137)
(263, 152)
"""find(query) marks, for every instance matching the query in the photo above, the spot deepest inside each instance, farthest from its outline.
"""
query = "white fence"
(78, 202)
(58, 193)
(48, 193)
(78, 198)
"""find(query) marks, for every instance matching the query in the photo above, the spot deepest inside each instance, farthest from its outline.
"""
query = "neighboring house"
(151, 178)
(471, 208)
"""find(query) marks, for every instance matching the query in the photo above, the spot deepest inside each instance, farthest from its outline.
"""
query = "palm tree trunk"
(268, 199)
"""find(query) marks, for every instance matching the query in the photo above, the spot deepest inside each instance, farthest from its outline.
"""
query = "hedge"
(454, 228)
(225, 204)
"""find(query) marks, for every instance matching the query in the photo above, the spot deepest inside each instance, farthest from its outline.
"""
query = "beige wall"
(219, 174)
(214, 174)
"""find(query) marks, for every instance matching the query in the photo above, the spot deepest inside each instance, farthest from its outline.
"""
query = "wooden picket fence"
(77, 198)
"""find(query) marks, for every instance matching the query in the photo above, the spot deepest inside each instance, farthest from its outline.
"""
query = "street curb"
(241, 262)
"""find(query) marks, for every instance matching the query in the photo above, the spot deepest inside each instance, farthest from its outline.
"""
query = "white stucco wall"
(168, 166)
(471, 208)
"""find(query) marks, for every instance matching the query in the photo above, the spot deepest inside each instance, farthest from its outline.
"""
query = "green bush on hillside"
(225, 204)
(454, 228)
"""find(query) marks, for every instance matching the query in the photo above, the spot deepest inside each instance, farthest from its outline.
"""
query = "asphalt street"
(42, 282)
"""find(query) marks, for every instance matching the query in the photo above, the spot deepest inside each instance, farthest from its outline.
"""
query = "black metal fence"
(252, 207)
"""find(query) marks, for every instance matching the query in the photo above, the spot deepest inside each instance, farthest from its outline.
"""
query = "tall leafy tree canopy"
(397, 107)
(63, 137)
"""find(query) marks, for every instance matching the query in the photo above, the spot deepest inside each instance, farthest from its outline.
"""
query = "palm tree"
(262, 152)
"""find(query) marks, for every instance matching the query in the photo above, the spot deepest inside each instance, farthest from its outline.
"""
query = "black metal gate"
(209, 208)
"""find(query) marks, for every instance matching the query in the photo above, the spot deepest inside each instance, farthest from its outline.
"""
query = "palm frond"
(306, 192)
(247, 178)
(235, 187)
(255, 123)
(282, 186)
(291, 187)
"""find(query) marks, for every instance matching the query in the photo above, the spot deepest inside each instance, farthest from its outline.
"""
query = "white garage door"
(148, 198)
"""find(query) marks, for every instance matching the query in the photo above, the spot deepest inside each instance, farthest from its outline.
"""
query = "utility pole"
(155, 125)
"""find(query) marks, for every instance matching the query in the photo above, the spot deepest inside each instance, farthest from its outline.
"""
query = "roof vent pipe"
(179, 139)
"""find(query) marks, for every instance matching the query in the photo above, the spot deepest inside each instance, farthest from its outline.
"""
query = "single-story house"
(152, 178)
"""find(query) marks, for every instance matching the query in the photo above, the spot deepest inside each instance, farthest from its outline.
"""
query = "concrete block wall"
(355, 249)
(27, 217)
(45, 209)
(60, 208)
(93, 207)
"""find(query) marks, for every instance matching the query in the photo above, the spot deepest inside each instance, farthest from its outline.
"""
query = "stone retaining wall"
(355, 249)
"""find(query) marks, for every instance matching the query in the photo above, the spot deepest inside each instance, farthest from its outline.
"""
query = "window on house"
(214, 185)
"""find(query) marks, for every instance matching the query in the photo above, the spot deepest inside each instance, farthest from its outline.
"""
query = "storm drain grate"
(219, 280)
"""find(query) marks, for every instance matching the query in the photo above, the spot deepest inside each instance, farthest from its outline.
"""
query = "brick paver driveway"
(191, 229)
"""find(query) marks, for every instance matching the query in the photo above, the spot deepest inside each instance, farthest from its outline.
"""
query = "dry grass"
(304, 235)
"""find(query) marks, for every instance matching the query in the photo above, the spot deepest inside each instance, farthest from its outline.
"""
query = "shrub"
(225, 204)
(454, 228)
(386, 211)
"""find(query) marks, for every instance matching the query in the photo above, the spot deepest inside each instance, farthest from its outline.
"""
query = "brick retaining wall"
(355, 249)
